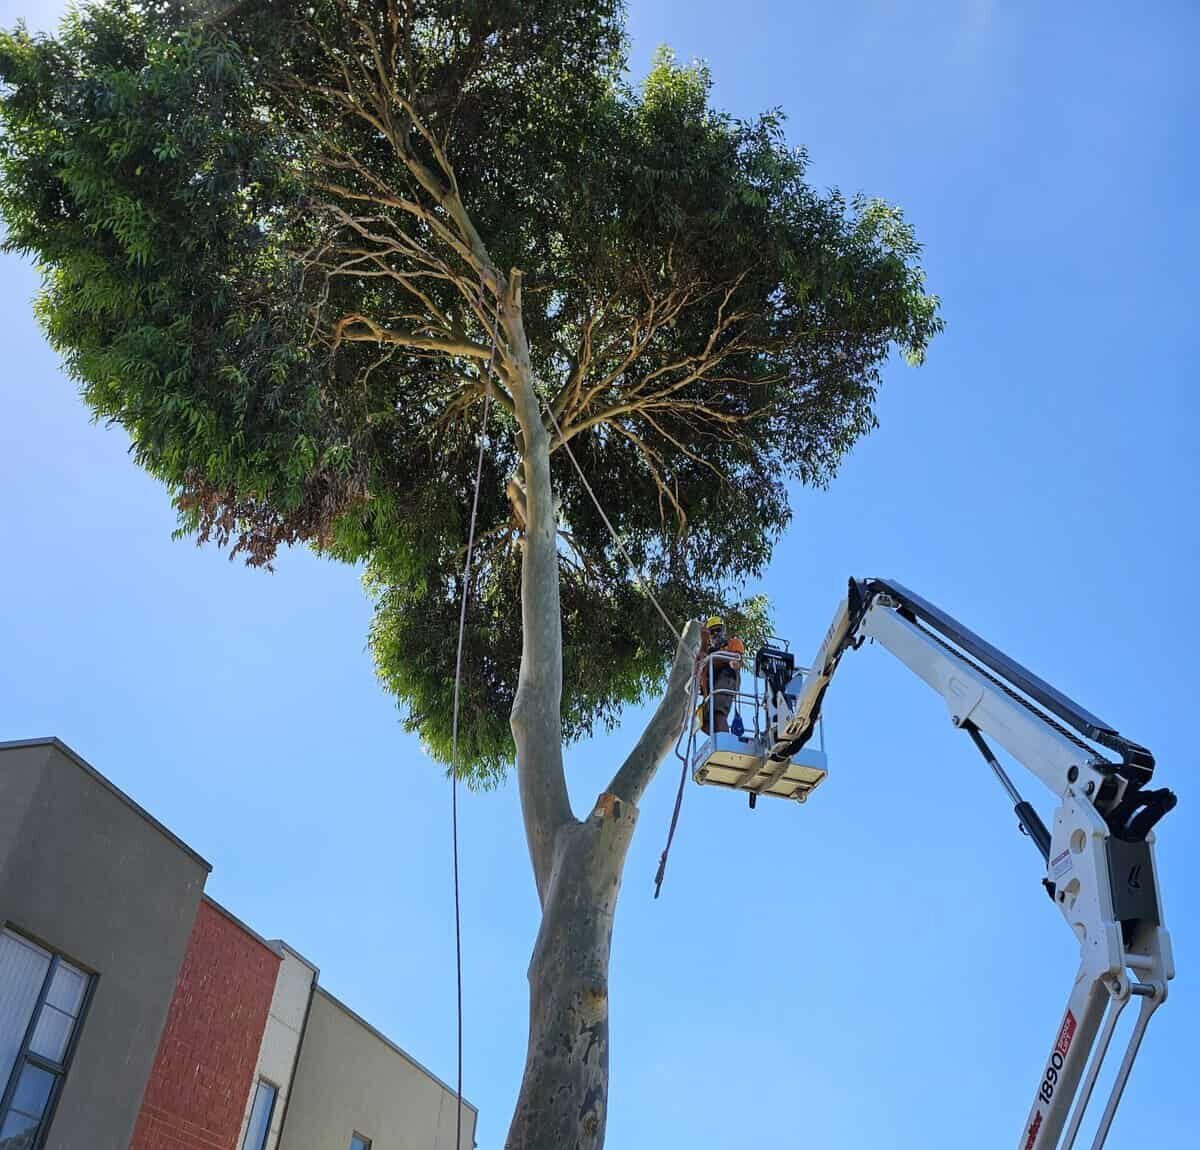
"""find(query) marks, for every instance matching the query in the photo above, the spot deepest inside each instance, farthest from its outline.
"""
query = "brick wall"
(196, 1095)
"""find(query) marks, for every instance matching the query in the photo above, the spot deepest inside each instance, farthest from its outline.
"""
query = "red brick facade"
(198, 1089)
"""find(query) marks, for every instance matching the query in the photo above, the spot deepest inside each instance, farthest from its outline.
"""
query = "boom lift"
(1099, 852)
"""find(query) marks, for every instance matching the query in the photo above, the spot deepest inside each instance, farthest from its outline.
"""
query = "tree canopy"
(260, 224)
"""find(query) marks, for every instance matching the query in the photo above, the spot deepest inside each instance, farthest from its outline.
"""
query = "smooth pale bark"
(536, 718)
(563, 1101)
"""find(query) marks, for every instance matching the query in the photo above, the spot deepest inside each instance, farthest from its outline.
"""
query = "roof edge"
(276, 946)
(223, 910)
(57, 744)
(287, 948)
(318, 989)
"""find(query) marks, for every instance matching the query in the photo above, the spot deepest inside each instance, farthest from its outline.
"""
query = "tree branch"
(368, 331)
(665, 724)
(654, 462)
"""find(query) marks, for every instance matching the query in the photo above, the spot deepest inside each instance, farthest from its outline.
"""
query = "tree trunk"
(577, 865)
(563, 1103)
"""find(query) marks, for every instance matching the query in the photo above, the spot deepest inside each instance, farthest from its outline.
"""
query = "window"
(260, 1116)
(41, 1000)
(358, 1142)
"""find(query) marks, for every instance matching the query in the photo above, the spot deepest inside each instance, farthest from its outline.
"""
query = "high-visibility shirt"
(734, 646)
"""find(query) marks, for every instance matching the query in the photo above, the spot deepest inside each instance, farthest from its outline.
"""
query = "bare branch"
(684, 449)
(665, 724)
(654, 461)
(362, 329)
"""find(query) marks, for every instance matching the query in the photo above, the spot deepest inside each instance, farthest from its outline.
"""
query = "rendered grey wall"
(85, 872)
(350, 1080)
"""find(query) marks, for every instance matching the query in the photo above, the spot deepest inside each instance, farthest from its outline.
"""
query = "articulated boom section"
(1107, 890)
(1098, 853)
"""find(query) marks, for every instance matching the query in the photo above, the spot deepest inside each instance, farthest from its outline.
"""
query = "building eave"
(112, 788)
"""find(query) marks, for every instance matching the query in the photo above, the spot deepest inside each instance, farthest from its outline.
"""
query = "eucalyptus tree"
(297, 250)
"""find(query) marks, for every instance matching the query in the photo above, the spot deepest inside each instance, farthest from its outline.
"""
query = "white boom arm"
(1099, 853)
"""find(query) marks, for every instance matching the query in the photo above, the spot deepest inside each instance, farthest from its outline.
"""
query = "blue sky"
(879, 968)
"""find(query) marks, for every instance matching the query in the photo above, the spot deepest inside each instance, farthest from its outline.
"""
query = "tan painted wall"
(281, 1037)
(351, 1079)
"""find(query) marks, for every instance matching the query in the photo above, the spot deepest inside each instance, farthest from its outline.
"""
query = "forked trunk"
(563, 1103)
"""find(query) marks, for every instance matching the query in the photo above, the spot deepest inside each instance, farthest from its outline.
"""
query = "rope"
(645, 585)
(684, 759)
(462, 627)
(641, 579)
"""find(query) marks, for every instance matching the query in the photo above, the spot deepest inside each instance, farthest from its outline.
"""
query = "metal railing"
(752, 703)
(736, 695)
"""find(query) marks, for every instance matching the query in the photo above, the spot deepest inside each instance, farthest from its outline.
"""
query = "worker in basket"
(723, 652)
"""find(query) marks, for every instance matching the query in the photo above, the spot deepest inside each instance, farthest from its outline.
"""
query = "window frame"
(364, 1143)
(26, 1057)
(261, 1080)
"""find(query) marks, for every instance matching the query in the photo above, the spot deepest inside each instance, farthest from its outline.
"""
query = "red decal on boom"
(1066, 1035)
(1058, 1056)
(1034, 1127)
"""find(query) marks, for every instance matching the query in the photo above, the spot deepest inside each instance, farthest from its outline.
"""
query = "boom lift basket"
(742, 760)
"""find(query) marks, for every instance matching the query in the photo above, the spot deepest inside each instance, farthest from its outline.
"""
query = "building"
(136, 1012)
